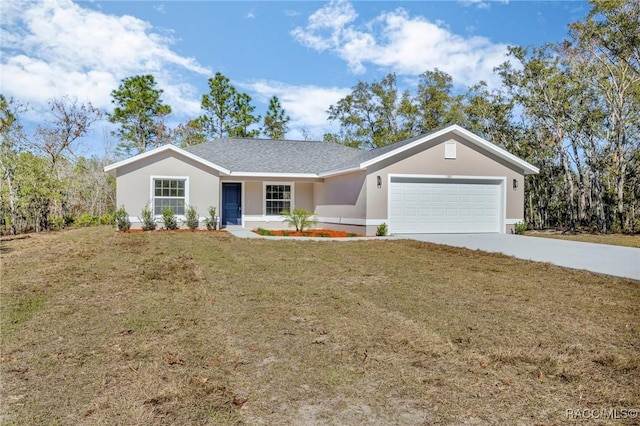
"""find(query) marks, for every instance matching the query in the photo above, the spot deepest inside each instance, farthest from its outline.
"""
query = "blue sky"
(309, 54)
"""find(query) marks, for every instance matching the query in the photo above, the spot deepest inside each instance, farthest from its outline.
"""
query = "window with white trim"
(277, 198)
(169, 193)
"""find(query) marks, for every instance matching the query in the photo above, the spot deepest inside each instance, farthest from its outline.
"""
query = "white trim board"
(274, 175)
(322, 219)
(513, 221)
(351, 221)
(264, 218)
(445, 177)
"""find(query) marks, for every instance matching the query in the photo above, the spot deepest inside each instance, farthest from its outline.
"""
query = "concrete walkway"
(242, 233)
(601, 258)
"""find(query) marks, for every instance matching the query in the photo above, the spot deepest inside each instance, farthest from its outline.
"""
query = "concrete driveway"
(600, 258)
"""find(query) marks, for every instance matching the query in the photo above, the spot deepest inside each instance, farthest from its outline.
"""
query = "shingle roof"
(256, 156)
(286, 156)
(274, 156)
(376, 152)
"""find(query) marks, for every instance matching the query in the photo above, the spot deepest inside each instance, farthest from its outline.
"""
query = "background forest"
(572, 109)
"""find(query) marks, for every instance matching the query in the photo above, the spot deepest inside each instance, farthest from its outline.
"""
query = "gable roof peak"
(368, 158)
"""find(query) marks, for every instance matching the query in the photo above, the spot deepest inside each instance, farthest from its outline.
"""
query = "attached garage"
(446, 204)
(447, 181)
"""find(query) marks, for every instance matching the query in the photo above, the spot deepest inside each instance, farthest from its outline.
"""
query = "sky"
(310, 54)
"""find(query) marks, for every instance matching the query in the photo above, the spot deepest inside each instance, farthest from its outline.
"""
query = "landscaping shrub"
(299, 218)
(210, 222)
(68, 220)
(58, 222)
(520, 228)
(148, 221)
(263, 231)
(107, 219)
(382, 230)
(122, 219)
(61, 222)
(192, 220)
(86, 219)
(169, 219)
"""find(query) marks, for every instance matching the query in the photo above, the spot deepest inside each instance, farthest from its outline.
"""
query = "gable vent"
(450, 150)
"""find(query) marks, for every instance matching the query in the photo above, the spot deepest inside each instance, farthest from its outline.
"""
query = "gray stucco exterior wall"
(343, 196)
(134, 183)
(430, 160)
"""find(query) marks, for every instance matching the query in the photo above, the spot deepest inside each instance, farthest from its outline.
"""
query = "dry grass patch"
(122, 335)
(611, 239)
(196, 328)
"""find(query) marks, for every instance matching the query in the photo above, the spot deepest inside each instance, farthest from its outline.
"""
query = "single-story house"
(448, 181)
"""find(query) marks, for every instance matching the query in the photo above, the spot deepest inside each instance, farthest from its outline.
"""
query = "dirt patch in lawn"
(201, 328)
(611, 239)
(319, 233)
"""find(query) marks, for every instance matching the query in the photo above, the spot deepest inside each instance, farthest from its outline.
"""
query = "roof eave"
(111, 168)
(273, 175)
(527, 168)
(533, 171)
(339, 172)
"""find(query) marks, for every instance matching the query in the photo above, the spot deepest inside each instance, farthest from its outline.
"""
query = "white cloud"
(400, 43)
(56, 47)
(477, 3)
(326, 26)
(306, 105)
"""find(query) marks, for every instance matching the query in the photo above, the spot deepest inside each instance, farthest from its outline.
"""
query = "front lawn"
(203, 328)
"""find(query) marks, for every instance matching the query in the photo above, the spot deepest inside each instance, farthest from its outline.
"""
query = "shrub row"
(83, 220)
(169, 219)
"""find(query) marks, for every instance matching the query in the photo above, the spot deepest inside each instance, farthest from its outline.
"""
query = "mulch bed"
(139, 231)
(323, 233)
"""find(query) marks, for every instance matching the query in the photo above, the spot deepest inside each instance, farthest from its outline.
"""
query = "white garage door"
(420, 205)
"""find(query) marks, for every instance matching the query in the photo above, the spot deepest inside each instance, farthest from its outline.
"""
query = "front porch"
(250, 204)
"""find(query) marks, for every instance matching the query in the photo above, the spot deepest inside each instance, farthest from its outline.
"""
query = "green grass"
(20, 311)
(197, 328)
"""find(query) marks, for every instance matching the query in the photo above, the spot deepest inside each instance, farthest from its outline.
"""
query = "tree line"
(47, 184)
(572, 109)
(141, 116)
